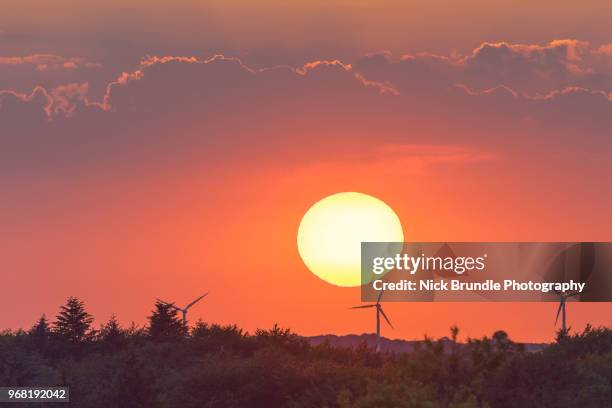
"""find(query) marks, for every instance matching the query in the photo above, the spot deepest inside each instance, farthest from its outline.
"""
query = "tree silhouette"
(111, 332)
(73, 322)
(40, 333)
(223, 366)
(41, 329)
(165, 325)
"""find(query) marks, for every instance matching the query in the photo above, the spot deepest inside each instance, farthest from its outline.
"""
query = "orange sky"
(168, 238)
(123, 181)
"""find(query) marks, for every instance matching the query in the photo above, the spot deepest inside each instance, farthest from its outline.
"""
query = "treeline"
(167, 364)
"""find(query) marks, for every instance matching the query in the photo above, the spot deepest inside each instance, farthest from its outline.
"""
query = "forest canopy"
(168, 364)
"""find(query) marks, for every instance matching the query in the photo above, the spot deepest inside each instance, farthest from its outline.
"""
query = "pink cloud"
(66, 98)
(44, 62)
(525, 68)
(323, 108)
(38, 99)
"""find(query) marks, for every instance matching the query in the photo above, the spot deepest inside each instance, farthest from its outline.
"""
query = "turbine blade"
(195, 301)
(362, 307)
(379, 296)
(385, 316)
(558, 311)
(164, 302)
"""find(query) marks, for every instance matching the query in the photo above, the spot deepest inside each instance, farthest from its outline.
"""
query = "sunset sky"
(168, 148)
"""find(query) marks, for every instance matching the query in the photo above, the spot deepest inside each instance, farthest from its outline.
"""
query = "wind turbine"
(562, 301)
(183, 310)
(379, 311)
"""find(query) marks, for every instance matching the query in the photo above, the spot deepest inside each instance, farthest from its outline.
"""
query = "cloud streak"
(43, 62)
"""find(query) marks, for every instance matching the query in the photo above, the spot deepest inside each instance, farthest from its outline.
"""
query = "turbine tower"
(379, 311)
(185, 309)
(562, 301)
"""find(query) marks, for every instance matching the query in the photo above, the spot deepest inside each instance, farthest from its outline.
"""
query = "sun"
(332, 230)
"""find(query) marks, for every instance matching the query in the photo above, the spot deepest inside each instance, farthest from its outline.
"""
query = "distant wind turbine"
(379, 311)
(562, 301)
(185, 309)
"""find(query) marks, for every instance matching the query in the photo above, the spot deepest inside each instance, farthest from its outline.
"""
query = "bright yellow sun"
(332, 230)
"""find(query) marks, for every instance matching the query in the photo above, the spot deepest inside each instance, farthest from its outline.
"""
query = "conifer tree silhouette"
(40, 333)
(73, 322)
(112, 333)
(164, 324)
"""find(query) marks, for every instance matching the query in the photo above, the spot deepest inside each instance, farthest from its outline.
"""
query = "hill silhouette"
(353, 341)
